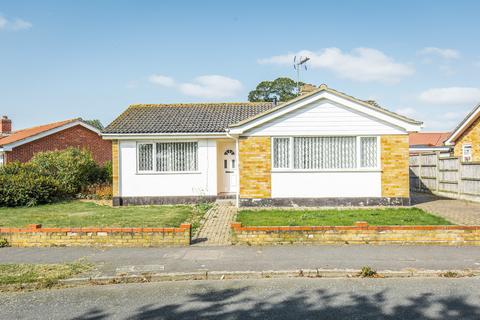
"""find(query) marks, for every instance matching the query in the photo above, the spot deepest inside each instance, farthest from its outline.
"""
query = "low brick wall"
(361, 233)
(36, 236)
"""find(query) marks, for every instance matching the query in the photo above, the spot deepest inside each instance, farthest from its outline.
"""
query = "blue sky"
(64, 59)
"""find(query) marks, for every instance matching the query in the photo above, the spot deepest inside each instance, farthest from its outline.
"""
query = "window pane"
(368, 152)
(177, 156)
(145, 157)
(281, 152)
(324, 152)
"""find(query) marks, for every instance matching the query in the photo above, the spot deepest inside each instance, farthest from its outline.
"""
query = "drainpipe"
(237, 161)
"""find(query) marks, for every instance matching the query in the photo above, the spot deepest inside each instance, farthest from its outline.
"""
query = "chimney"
(5, 126)
(307, 88)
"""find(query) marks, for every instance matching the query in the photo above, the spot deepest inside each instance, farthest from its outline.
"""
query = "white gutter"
(237, 160)
(136, 136)
(442, 148)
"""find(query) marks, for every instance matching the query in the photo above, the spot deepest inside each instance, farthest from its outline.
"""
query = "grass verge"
(87, 214)
(341, 217)
(38, 276)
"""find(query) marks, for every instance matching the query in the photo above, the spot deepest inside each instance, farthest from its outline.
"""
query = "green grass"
(88, 214)
(40, 275)
(344, 217)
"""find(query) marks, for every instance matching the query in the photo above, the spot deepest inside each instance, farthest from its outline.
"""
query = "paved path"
(245, 258)
(215, 230)
(457, 211)
(390, 299)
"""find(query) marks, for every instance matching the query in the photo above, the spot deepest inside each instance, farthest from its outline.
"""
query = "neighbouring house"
(429, 142)
(465, 139)
(321, 148)
(22, 145)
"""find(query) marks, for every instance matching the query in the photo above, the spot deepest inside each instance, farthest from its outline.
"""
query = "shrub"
(22, 185)
(73, 168)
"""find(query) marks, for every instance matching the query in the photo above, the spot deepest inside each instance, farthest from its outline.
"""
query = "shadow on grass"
(242, 303)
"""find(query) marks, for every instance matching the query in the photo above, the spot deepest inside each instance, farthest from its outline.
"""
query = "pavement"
(110, 262)
(254, 299)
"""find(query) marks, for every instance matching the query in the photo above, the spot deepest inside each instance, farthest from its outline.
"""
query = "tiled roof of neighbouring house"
(184, 118)
(432, 139)
(33, 131)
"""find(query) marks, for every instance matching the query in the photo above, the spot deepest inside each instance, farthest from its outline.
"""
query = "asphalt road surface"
(255, 299)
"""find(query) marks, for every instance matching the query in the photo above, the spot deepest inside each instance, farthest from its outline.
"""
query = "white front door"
(229, 170)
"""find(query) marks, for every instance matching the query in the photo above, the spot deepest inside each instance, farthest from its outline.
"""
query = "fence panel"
(445, 176)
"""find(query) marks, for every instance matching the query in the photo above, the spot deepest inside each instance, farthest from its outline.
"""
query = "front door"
(229, 170)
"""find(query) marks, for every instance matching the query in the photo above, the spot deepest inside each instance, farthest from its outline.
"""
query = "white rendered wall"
(326, 184)
(324, 117)
(133, 184)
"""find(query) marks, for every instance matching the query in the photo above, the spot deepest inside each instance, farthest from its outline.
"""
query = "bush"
(23, 185)
(73, 168)
(53, 175)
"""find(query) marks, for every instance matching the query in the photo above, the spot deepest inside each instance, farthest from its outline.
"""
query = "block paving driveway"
(456, 211)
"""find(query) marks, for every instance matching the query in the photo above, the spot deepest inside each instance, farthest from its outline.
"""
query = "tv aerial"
(298, 64)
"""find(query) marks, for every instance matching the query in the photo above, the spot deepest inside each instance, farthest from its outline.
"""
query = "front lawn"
(341, 217)
(88, 214)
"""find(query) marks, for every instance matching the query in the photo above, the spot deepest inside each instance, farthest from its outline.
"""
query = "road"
(255, 299)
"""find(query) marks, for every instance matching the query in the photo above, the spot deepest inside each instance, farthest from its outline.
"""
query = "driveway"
(456, 211)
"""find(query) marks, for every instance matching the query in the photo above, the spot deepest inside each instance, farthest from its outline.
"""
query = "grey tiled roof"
(184, 118)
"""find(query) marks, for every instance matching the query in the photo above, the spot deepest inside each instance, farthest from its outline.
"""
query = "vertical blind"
(324, 152)
(169, 156)
(316, 153)
(368, 152)
(281, 150)
(145, 157)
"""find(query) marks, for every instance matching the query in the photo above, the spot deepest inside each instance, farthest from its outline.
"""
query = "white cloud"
(20, 24)
(451, 115)
(451, 96)
(212, 86)
(14, 25)
(207, 86)
(409, 112)
(443, 53)
(362, 64)
(161, 80)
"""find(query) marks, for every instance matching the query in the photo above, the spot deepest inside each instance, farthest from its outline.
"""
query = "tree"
(283, 89)
(95, 123)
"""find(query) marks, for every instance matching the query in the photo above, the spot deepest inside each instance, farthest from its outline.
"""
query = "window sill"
(325, 170)
(166, 173)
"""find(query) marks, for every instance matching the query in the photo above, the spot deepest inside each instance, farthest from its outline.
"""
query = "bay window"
(324, 153)
(167, 157)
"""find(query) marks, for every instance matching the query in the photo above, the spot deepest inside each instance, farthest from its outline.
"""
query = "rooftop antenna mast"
(297, 65)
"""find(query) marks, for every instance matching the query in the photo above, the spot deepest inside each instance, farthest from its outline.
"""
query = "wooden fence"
(447, 177)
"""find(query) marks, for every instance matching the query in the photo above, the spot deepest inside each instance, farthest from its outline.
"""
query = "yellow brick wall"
(115, 182)
(394, 157)
(470, 136)
(255, 167)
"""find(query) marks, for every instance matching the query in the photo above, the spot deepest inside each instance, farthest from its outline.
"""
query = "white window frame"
(154, 155)
(2, 159)
(467, 145)
(358, 156)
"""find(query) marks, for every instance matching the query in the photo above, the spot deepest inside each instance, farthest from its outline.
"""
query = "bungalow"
(465, 139)
(321, 148)
(21, 145)
(429, 142)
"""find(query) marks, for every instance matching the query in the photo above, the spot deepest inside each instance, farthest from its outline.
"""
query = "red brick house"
(21, 145)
